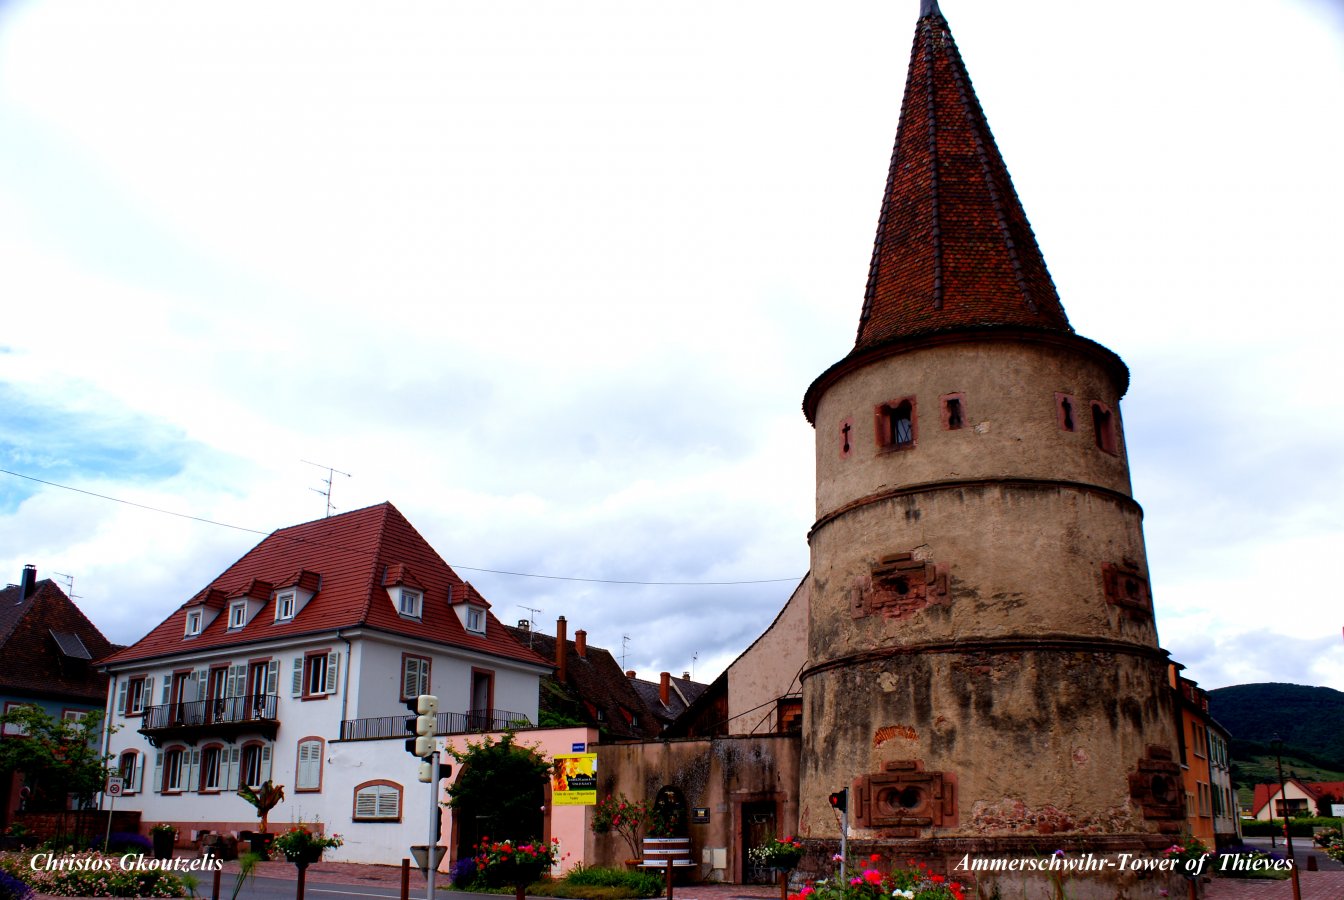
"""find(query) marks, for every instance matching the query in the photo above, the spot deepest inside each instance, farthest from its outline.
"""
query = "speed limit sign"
(114, 785)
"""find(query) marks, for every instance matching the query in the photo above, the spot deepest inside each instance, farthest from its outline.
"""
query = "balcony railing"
(446, 723)
(222, 715)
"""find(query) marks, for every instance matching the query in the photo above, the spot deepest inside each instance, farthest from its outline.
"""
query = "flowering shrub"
(871, 883)
(505, 862)
(1190, 854)
(624, 816)
(124, 842)
(778, 853)
(463, 873)
(1245, 861)
(92, 874)
(300, 843)
(163, 828)
(1334, 848)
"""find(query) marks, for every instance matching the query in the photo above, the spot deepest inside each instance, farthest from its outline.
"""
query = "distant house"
(294, 665)
(1296, 797)
(587, 687)
(668, 698)
(1211, 807)
(47, 650)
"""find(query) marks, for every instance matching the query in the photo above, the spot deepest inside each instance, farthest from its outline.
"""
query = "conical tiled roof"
(954, 250)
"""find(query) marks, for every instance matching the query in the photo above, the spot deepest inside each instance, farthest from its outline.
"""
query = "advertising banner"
(574, 779)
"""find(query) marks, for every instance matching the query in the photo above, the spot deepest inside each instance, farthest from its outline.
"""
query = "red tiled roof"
(1313, 789)
(348, 558)
(954, 250)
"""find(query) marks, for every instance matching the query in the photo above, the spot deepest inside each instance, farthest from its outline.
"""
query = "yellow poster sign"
(574, 779)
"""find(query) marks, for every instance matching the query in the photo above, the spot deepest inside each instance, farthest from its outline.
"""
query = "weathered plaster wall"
(720, 774)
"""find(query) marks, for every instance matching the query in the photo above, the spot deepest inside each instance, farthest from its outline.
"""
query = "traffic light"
(422, 724)
(840, 799)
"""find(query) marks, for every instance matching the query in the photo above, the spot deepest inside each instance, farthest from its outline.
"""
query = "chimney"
(629, 673)
(561, 649)
(524, 625)
(28, 583)
(685, 676)
(665, 687)
(581, 643)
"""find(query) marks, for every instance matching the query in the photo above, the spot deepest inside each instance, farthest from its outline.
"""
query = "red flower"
(937, 879)
(874, 858)
(872, 876)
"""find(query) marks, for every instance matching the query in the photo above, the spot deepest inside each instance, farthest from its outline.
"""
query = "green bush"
(597, 883)
(1298, 827)
(95, 875)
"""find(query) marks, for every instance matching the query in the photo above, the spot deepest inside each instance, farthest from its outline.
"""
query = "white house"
(294, 665)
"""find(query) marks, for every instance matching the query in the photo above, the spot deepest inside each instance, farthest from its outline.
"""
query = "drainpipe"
(561, 650)
(345, 687)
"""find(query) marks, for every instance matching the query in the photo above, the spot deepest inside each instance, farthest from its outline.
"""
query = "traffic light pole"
(844, 842)
(433, 828)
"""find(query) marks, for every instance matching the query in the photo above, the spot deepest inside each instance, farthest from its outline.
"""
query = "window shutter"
(266, 763)
(158, 771)
(333, 669)
(296, 683)
(121, 697)
(366, 803)
(167, 690)
(230, 757)
(387, 802)
(139, 773)
(189, 784)
(310, 765)
(410, 677)
(272, 676)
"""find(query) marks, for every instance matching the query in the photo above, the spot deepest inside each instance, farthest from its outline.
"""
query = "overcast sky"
(552, 278)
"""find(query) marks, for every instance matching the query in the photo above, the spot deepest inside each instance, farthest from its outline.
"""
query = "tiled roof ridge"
(953, 247)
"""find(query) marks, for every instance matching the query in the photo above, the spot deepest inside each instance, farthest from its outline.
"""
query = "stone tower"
(983, 664)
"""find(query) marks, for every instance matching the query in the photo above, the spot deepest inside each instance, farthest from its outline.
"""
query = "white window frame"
(132, 777)
(218, 750)
(475, 620)
(194, 619)
(237, 615)
(14, 729)
(409, 603)
(176, 762)
(286, 605)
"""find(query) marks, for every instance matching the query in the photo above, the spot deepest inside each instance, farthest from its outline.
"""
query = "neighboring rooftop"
(587, 686)
(47, 644)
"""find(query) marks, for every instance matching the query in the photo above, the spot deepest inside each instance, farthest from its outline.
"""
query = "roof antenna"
(531, 622)
(69, 585)
(625, 642)
(327, 481)
(694, 657)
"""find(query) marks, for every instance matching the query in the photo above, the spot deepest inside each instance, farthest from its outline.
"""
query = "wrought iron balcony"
(445, 723)
(219, 717)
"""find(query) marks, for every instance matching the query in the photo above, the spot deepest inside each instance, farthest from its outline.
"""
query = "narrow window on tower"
(895, 425)
(1064, 411)
(1103, 428)
(954, 411)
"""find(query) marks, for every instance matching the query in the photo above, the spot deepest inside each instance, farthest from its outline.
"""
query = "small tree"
(265, 798)
(505, 778)
(58, 758)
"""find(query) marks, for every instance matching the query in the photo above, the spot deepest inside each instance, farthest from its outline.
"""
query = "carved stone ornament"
(898, 586)
(903, 798)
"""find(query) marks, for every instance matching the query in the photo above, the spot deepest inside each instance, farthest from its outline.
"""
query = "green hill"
(1310, 720)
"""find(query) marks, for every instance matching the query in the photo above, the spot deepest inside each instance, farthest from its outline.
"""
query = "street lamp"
(1277, 745)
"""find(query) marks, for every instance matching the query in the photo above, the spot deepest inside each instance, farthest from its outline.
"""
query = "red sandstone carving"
(898, 587)
(903, 798)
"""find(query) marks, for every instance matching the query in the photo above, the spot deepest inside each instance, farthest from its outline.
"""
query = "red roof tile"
(348, 558)
(954, 250)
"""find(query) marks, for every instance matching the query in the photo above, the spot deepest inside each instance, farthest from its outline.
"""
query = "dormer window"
(408, 603)
(238, 614)
(193, 623)
(285, 605)
(475, 620)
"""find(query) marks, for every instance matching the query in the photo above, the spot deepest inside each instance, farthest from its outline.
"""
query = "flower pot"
(305, 857)
(163, 844)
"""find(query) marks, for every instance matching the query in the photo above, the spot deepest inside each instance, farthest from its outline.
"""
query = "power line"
(205, 521)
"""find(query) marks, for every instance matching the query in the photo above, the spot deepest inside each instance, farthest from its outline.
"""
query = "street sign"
(577, 748)
(1337, 810)
(114, 786)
